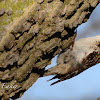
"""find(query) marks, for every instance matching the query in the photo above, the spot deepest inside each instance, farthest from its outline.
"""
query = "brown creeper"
(76, 58)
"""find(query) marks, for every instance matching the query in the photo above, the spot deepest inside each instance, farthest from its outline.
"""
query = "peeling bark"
(35, 38)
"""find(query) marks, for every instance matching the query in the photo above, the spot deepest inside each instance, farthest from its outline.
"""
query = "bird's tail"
(64, 77)
(58, 69)
(62, 72)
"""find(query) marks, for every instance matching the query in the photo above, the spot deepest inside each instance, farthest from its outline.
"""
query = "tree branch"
(35, 38)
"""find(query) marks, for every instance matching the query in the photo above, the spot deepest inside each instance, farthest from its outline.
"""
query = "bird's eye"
(98, 45)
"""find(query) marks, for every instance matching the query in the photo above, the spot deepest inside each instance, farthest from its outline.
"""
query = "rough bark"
(46, 27)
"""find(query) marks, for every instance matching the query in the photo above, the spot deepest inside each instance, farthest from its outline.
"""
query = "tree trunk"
(27, 47)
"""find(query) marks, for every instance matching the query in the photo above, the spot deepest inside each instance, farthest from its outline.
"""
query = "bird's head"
(91, 50)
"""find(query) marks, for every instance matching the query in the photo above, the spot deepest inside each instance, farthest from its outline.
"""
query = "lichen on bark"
(46, 27)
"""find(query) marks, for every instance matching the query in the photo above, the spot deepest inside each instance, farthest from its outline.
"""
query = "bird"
(76, 58)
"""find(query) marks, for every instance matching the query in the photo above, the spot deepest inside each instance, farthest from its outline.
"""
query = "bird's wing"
(58, 69)
(92, 59)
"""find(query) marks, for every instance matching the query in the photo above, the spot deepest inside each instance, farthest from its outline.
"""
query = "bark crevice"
(35, 38)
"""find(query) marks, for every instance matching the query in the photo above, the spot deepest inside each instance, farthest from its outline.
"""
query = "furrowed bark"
(46, 27)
